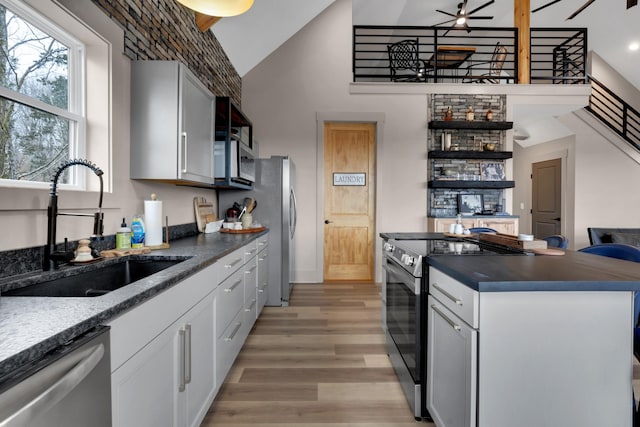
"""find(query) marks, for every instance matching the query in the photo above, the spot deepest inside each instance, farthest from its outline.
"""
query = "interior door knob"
(326, 221)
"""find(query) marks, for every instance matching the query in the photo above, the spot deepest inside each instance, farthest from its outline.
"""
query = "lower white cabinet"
(171, 354)
(170, 380)
(451, 368)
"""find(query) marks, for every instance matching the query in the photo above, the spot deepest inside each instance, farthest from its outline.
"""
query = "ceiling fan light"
(461, 20)
(219, 8)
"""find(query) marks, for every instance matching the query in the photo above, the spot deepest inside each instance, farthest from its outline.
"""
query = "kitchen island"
(527, 340)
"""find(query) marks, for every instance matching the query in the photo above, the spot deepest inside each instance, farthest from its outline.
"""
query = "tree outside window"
(38, 128)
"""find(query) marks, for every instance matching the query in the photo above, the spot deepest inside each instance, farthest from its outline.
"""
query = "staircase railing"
(615, 112)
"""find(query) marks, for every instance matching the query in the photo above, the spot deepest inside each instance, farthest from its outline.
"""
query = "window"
(41, 92)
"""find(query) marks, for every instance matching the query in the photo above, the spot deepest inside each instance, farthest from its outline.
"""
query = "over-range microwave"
(240, 159)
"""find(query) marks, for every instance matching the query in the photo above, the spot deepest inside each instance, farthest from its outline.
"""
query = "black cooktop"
(450, 247)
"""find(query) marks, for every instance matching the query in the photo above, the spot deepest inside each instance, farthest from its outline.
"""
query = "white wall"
(23, 212)
(309, 76)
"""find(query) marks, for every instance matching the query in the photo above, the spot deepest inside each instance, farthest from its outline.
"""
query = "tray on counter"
(243, 231)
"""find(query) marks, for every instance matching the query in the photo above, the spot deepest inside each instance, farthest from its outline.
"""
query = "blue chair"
(482, 230)
(614, 250)
(557, 241)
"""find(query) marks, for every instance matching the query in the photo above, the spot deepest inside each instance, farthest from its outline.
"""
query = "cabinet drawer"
(457, 297)
(230, 300)
(228, 346)
(263, 242)
(230, 263)
(250, 251)
(250, 279)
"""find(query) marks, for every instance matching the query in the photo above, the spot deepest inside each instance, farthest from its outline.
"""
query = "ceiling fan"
(630, 4)
(461, 18)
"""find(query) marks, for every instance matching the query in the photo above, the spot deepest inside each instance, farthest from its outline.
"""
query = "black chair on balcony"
(487, 72)
(404, 63)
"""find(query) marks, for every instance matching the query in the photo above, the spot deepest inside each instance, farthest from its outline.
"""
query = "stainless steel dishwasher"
(70, 387)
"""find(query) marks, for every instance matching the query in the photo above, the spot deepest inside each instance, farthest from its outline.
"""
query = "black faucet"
(51, 256)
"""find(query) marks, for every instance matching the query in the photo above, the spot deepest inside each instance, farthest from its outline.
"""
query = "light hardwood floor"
(320, 362)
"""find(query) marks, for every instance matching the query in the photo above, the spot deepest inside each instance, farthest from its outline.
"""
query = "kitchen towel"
(153, 221)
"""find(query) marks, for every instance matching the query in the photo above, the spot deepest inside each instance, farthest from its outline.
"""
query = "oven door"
(403, 315)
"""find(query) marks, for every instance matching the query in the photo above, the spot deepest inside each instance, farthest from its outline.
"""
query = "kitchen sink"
(98, 281)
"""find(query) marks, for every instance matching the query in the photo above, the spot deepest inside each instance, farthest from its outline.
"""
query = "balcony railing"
(557, 55)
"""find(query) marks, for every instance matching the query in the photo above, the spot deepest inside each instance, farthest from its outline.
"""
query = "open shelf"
(471, 184)
(474, 125)
(470, 154)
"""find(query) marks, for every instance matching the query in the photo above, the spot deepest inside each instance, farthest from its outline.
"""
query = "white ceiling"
(249, 38)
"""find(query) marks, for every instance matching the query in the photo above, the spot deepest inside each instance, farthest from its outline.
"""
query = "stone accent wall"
(166, 30)
(443, 202)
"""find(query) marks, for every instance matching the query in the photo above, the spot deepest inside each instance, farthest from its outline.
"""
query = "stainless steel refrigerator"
(276, 210)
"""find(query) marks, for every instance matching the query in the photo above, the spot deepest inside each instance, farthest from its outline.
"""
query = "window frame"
(76, 111)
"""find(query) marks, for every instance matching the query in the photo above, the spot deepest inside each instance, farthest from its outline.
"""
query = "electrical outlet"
(521, 206)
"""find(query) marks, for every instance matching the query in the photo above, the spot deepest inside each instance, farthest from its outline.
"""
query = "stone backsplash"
(21, 261)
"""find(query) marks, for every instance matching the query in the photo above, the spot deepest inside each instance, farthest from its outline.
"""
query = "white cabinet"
(171, 354)
(162, 370)
(451, 368)
(172, 124)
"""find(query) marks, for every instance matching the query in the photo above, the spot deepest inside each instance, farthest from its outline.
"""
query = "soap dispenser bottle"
(123, 236)
(137, 232)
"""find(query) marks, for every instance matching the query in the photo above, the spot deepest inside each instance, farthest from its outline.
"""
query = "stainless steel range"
(405, 288)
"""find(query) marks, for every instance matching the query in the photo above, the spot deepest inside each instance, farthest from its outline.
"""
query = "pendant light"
(220, 8)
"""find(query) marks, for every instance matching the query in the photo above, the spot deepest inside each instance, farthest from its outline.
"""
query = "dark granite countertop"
(413, 236)
(32, 326)
(573, 271)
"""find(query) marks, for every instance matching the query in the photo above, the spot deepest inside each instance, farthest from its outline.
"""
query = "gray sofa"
(629, 236)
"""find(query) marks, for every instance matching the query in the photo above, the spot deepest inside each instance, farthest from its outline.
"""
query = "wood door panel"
(349, 209)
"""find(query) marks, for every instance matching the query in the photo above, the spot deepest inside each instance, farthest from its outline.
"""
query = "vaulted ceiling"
(251, 37)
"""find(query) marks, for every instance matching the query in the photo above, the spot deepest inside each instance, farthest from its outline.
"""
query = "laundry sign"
(352, 179)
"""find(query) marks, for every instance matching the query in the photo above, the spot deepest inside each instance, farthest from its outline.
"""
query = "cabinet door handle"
(181, 351)
(234, 332)
(447, 294)
(184, 152)
(232, 264)
(187, 353)
(232, 287)
(444, 316)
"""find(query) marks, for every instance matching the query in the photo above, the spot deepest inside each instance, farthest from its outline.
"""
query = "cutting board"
(204, 212)
(512, 241)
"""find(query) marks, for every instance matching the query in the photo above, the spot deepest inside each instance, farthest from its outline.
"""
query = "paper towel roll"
(153, 222)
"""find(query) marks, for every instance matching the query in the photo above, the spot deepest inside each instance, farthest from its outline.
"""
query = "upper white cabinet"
(172, 124)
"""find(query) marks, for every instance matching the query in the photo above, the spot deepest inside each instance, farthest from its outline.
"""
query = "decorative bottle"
(470, 116)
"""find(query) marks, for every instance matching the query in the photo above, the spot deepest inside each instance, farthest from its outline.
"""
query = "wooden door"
(546, 212)
(349, 191)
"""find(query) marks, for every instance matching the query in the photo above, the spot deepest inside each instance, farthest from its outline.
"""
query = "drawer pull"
(234, 332)
(181, 371)
(449, 321)
(261, 288)
(232, 287)
(250, 252)
(233, 263)
(262, 258)
(253, 304)
(251, 270)
(262, 243)
(447, 294)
